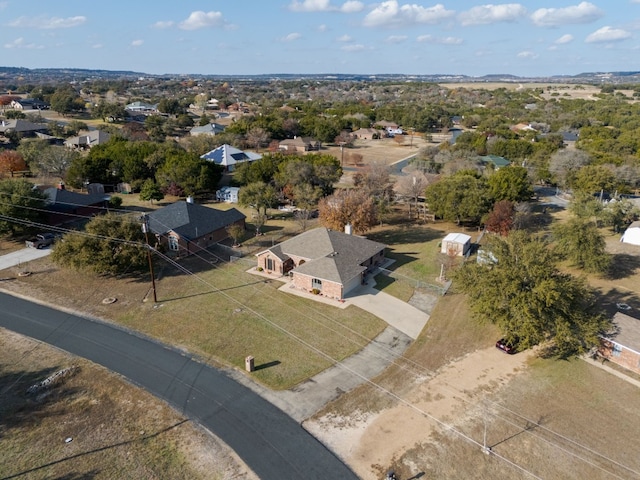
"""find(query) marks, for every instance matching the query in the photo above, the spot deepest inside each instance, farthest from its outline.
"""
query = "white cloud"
(97, 45)
(19, 43)
(608, 34)
(353, 48)
(3, 5)
(48, 23)
(391, 14)
(527, 54)
(322, 28)
(137, 43)
(350, 6)
(396, 38)
(164, 24)
(292, 37)
(487, 14)
(200, 19)
(566, 38)
(344, 38)
(440, 40)
(584, 12)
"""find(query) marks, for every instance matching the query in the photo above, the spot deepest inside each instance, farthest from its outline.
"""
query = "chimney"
(190, 199)
(61, 186)
(348, 229)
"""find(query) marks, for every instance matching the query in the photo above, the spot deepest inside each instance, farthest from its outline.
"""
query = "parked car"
(41, 240)
(506, 346)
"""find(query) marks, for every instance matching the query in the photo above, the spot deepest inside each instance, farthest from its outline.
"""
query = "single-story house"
(324, 261)
(208, 129)
(228, 156)
(622, 346)
(187, 228)
(228, 194)
(386, 125)
(29, 104)
(299, 144)
(22, 127)
(456, 244)
(86, 140)
(632, 234)
(496, 161)
(367, 133)
(141, 107)
(65, 206)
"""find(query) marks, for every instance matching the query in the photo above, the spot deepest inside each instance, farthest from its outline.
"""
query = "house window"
(316, 283)
(617, 350)
(271, 264)
(173, 244)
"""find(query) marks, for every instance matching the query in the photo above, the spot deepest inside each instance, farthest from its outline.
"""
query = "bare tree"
(412, 186)
(344, 207)
(258, 137)
(564, 164)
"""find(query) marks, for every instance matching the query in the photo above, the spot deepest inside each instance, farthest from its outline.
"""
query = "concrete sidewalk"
(23, 256)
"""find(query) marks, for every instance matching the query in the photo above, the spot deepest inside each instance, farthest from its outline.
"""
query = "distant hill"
(21, 75)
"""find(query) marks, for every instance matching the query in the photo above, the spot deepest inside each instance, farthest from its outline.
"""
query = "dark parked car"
(507, 346)
(41, 240)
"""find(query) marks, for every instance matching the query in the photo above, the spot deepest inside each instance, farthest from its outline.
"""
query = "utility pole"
(145, 230)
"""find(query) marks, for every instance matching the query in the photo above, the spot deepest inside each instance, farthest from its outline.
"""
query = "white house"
(456, 244)
(632, 234)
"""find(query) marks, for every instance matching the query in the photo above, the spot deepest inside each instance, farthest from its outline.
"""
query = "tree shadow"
(623, 265)
(77, 476)
(20, 409)
(610, 300)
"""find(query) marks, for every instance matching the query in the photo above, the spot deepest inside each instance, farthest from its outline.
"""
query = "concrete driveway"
(23, 256)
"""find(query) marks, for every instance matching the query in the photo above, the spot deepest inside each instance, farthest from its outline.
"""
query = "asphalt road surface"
(272, 444)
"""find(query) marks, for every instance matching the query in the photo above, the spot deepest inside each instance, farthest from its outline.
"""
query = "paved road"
(271, 443)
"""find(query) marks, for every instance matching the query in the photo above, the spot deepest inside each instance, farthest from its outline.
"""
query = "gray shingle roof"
(330, 255)
(190, 220)
(65, 200)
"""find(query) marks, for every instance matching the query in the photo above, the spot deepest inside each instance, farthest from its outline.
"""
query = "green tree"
(460, 197)
(21, 205)
(259, 196)
(150, 191)
(112, 244)
(510, 183)
(65, 101)
(528, 298)
(190, 172)
(581, 242)
(594, 179)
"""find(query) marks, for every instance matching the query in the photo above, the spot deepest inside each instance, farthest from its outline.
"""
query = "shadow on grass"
(609, 302)
(262, 366)
(623, 265)
(95, 450)
(214, 291)
(79, 476)
(404, 235)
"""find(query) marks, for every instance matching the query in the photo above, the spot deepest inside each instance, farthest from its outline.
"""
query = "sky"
(249, 37)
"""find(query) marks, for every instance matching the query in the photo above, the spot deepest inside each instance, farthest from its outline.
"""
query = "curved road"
(272, 444)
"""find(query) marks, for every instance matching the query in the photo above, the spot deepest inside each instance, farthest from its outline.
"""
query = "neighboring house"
(496, 161)
(299, 144)
(386, 125)
(187, 228)
(392, 132)
(367, 133)
(632, 234)
(22, 127)
(208, 129)
(324, 261)
(86, 140)
(29, 104)
(456, 244)
(228, 157)
(623, 345)
(228, 194)
(522, 127)
(65, 206)
(141, 107)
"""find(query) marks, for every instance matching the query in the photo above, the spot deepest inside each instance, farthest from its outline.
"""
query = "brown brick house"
(299, 144)
(622, 346)
(185, 227)
(329, 262)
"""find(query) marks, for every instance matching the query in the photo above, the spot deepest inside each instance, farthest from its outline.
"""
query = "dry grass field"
(94, 425)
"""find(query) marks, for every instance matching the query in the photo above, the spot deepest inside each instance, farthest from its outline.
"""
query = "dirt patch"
(370, 442)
